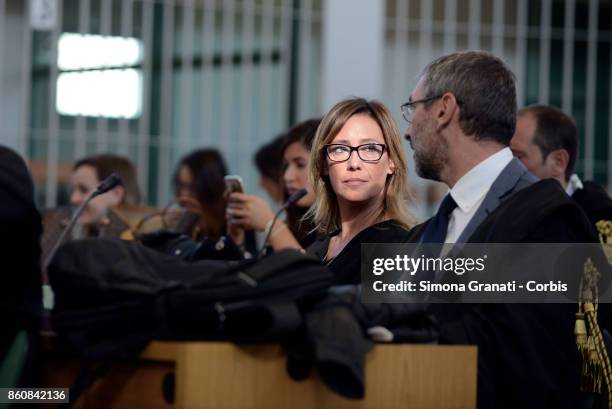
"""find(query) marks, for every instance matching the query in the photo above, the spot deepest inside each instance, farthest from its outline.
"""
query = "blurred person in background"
(546, 141)
(269, 162)
(87, 174)
(20, 293)
(113, 213)
(358, 171)
(252, 212)
(199, 186)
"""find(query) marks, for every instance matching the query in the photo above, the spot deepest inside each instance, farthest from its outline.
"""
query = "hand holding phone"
(233, 184)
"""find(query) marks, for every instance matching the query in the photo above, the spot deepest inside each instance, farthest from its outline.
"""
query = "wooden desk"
(226, 376)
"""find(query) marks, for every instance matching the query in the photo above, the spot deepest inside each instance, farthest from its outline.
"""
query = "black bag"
(113, 296)
(188, 249)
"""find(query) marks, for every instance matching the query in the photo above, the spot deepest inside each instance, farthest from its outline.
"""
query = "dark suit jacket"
(527, 356)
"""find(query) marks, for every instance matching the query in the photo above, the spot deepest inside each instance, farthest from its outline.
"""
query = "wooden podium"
(220, 375)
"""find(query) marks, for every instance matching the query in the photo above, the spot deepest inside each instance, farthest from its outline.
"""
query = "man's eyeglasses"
(368, 152)
(409, 107)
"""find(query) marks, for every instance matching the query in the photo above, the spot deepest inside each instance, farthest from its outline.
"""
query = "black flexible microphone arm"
(290, 201)
(107, 184)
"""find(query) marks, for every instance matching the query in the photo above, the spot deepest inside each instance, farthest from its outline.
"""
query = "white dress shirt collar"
(473, 186)
(573, 184)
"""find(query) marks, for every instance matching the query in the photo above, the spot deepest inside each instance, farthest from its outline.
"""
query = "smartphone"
(233, 184)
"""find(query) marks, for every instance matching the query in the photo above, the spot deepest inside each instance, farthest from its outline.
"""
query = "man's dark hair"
(484, 88)
(554, 130)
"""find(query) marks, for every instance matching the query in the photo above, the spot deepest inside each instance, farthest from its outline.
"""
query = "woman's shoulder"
(389, 231)
(318, 248)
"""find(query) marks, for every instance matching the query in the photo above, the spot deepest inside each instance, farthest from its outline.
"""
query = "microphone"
(296, 196)
(107, 184)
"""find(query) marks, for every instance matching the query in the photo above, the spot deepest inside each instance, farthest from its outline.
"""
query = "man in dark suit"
(546, 141)
(461, 116)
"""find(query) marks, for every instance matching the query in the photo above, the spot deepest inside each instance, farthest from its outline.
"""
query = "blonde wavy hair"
(325, 213)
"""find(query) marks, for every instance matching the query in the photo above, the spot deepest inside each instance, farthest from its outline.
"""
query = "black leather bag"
(112, 296)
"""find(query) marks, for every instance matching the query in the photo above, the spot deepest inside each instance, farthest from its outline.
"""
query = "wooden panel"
(226, 376)
(127, 385)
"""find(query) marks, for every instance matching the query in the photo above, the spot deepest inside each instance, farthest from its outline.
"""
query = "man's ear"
(446, 110)
(559, 160)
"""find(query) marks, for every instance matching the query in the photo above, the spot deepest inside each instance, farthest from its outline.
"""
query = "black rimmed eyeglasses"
(409, 107)
(368, 152)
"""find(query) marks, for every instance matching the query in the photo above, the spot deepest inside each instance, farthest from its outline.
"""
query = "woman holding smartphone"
(200, 183)
(252, 212)
(358, 172)
(198, 186)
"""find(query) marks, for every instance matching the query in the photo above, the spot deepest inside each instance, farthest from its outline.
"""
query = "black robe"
(527, 357)
(595, 202)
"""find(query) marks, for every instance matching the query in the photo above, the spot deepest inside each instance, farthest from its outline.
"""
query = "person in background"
(87, 174)
(20, 293)
(268, 161)
(199, 186)
(546, 141)
(112, 214)
(253, 212)
(358, 171)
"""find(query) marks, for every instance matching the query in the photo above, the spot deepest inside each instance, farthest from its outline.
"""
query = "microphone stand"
(106, 185)
(267, 238)
(67, 229)
(292, 199)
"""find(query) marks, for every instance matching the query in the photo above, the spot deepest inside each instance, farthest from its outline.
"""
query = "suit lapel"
(504, 185)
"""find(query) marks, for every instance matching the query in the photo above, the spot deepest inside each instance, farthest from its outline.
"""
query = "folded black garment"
(334, 339)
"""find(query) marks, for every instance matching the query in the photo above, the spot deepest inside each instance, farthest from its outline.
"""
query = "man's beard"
(431, 154)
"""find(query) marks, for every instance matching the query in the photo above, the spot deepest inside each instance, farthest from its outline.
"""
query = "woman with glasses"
(358, 171)
(252, 212)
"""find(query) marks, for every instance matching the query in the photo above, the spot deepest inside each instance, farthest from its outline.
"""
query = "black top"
(346, 266)
(20, 227)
